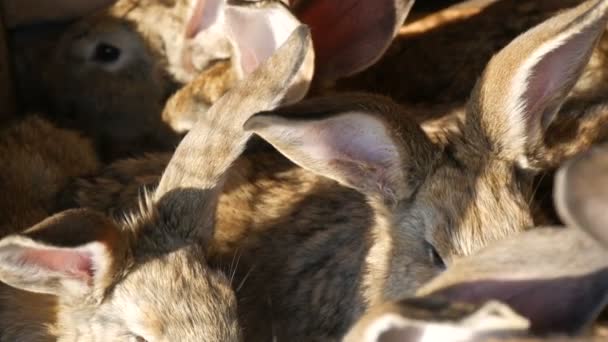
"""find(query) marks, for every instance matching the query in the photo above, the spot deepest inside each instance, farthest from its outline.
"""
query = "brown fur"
(438, 58)
(312, 254)
(555, 277)
(38, 160)
(437, 95)
(105, 101)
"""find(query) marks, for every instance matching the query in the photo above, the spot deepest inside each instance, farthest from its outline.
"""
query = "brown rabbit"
(556, 277)
(86, 277)
(375, 208)
(559, 280)
(102, 79)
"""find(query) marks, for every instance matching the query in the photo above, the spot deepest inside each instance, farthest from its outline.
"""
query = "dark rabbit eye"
(434, 256)
(140, 339)
(105, 53)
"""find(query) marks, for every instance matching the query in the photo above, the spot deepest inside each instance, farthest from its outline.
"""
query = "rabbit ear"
(526, 83)
(350, 35)
(257, 30)
(581, 192)
(188, 189)
(74, 255)
(492, 319)
(557, 279)
(349, 139)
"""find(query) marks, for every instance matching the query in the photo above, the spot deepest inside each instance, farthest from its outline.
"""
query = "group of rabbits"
(222, 170)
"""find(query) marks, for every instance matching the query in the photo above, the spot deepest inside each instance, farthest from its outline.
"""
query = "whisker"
(536, 189)
(244, 279)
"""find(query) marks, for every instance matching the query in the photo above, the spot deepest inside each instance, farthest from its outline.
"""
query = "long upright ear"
(555, 277)
(350, 35)
(74, 255)
(362, 141)
(427, 319)
(258, 29)
(526, 83)
(581, 192)
(188, 190)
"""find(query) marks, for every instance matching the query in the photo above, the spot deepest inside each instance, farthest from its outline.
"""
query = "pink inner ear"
(249, 60)
(555, 74)
(348, 35)
(76, 264)
(205, 14)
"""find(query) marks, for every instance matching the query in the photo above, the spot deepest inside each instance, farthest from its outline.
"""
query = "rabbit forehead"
(173, 297)
(464, 208)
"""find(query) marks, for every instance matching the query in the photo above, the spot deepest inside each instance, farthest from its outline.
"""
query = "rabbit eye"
(140, 339)
(434, 256)
(105, 53)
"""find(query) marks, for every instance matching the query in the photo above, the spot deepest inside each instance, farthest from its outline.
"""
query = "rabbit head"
(558, 276)
(436, 204)
(100, 73)
(92, 77)
(145, 278)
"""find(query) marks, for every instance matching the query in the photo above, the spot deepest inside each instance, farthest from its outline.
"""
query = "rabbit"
(559, 265)
(145, 277)
(38, 160)
(558, 279)
(580, 123)
(94, 80)
(361, 206)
